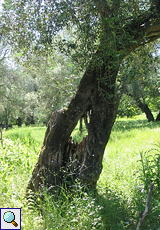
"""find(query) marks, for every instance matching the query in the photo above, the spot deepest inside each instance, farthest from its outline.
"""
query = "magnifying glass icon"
(9, 217)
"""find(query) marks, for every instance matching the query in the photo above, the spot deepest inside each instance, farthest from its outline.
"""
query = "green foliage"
(102, 32)
(63, 211)
(86, 24)
(58, 86)
(75, 134)
(138, 78)
(47, 19)
(150, 172)
(11, 94)
(127, 107)
(66, 210)
(128, 138)
(26, 93)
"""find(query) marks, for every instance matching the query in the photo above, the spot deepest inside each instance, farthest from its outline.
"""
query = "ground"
(121, 191)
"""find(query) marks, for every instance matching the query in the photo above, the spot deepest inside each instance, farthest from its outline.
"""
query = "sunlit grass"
(121, 192)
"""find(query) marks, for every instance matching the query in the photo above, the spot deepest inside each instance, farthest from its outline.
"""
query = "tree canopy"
(31, 26)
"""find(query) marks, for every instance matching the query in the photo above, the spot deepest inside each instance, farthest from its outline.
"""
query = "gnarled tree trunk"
(142, 105)
(59, 152)
(95, 101)
(145, 109)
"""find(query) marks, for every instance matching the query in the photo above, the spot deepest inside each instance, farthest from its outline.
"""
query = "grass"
(121, 190)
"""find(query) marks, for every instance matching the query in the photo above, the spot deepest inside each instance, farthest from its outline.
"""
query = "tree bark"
(59, 152)
(158, 117)
(80, 127)
(145, 109)
(143, 106)
(19, 121)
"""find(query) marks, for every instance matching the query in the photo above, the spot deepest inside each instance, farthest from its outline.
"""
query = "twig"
(147, 209)
(1, 136)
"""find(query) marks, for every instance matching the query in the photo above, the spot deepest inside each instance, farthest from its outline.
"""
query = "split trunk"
(61, 159)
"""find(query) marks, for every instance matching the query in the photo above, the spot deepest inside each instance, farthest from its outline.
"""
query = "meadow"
(131, 161)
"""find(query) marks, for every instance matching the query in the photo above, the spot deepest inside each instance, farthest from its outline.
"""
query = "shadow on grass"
(135, 124)
(116, 214)
(120, 214)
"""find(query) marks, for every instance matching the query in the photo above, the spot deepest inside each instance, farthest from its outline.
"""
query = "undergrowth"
(129, 165)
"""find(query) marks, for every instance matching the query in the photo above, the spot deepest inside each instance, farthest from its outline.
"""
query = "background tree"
(139, 78)
(105, 32)
(16, 83)
(33, 97)
(10, 94)
(59, 85)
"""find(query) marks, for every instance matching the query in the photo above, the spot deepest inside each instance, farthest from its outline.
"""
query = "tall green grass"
(121, 190)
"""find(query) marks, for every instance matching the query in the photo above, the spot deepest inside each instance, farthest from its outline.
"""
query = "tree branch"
(103, 7)
(1, 138)
(143, 29)
(147, 209)
(116, 6)
(155, 3)
(5, 52)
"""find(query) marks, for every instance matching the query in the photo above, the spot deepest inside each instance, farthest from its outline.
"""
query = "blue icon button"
(10, 218)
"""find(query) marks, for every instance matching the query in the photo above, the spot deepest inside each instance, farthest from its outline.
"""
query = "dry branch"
(147, 209)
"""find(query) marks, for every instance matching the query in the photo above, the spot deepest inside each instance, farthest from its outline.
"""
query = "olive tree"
(139, 78)
(59, 85)
(104, 33)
